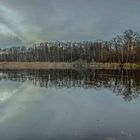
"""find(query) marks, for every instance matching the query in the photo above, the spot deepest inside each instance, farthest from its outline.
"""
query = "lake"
(69, 105)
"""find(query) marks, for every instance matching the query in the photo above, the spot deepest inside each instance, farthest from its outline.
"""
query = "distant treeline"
(121, 49)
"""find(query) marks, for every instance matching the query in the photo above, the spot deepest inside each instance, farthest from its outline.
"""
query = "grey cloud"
(73, 19)
(4, 20)
(9, 40)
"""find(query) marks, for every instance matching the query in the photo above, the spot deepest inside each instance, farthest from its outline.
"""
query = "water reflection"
(69, 104)
(123, 83)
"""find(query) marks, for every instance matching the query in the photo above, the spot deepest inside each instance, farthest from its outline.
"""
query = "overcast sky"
(28, 21)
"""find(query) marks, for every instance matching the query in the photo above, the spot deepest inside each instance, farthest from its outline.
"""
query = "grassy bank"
(34, 65)
(64, 65)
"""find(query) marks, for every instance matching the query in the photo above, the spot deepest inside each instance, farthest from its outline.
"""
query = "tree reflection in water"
(125, 83)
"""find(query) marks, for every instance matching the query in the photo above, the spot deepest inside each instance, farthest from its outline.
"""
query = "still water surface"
(69, 105)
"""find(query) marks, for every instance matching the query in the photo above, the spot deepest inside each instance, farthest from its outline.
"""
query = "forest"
(123, 48)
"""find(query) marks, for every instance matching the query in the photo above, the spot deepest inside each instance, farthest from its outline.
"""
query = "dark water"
(69, 105)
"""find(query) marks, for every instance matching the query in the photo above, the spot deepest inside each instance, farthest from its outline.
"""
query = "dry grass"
(63, 65)
(34, 65)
